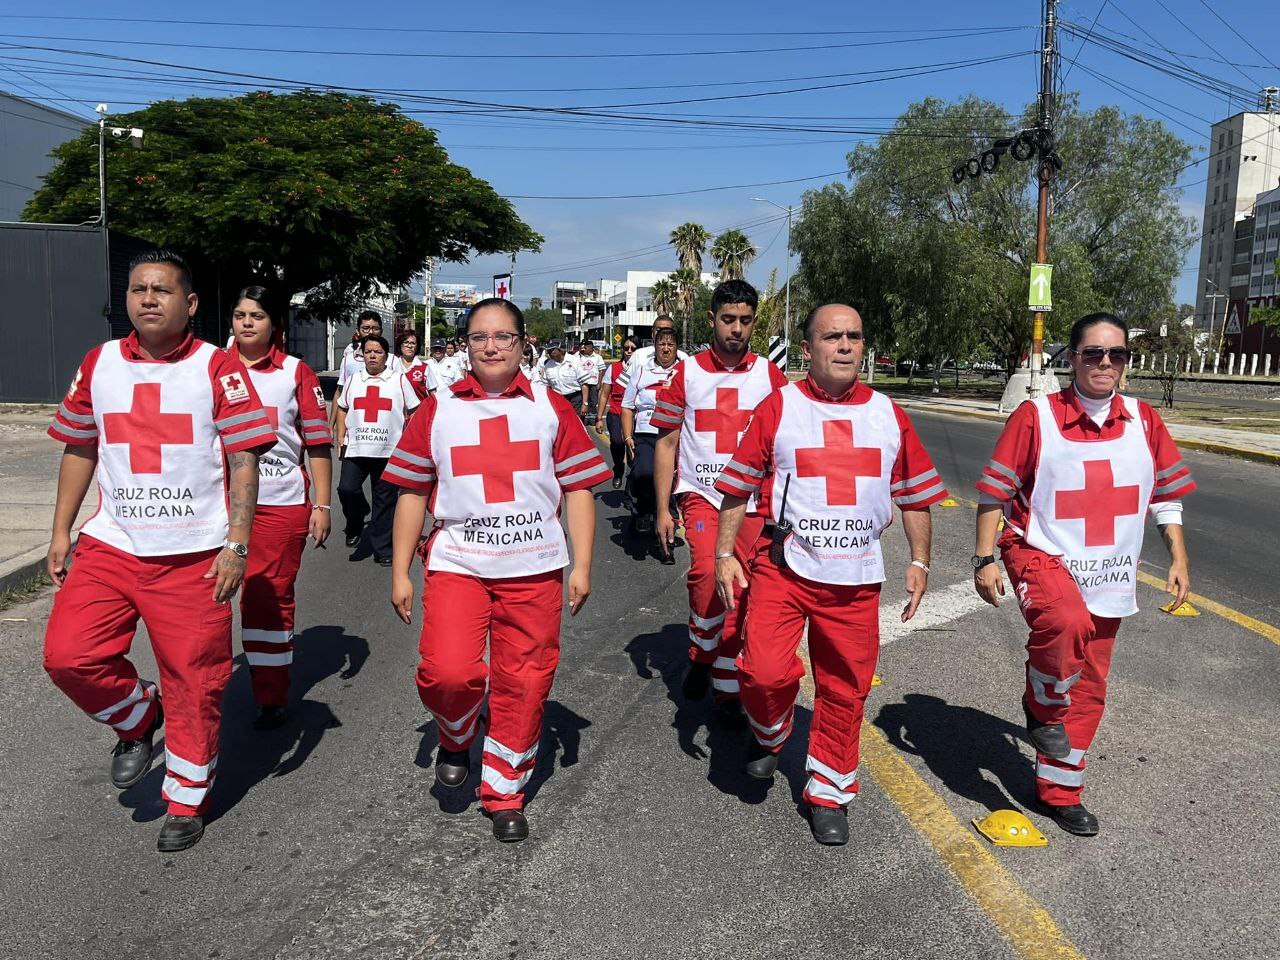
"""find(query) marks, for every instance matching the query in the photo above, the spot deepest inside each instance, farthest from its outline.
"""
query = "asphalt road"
(327, 838)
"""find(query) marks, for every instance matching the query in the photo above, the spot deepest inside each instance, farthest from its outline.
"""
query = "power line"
(1200, 37)
(1072, 64)
(680, 193)
(1246, 40)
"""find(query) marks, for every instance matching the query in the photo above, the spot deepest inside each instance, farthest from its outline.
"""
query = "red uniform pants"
(267, 603)
(91, 629)
(520, 619)
(1068, 656)
(844, 642)
(715, 635)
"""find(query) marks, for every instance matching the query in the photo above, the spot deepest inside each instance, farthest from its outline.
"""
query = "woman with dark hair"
(293, 399)
(611, 419)
(640, 436)
(494, 458)
(1074, 474)
(415, 369)
(374, 409)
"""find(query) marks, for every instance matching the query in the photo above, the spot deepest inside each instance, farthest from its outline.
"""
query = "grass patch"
(24, 591)
(1249, 419)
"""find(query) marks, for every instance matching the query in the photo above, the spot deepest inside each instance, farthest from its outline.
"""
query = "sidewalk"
(28, 488)
(1247, 444)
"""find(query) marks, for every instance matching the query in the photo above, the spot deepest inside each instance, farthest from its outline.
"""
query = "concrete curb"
(1185, 443)
(30, 565)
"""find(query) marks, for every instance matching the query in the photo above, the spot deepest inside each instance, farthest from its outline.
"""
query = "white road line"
(937, 609)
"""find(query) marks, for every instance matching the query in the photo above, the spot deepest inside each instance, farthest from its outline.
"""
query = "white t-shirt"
(375, 408)
(568, 375)
(642, 356)
(595, 363)
(641, 395)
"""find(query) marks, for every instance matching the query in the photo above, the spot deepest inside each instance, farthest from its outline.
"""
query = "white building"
(629, 311)
(1266, 248)
(1244, 161)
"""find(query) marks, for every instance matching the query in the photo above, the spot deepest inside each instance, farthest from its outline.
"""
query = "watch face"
(978, 562)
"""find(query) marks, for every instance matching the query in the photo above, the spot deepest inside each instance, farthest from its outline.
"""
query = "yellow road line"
(1259, 627)
(1018, 916)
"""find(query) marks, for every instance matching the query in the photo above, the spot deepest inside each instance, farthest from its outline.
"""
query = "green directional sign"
(1040, 298)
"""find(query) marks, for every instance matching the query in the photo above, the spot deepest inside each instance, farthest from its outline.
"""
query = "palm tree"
(664, 297)
(690, 239)
(687, 283)
(733, 251)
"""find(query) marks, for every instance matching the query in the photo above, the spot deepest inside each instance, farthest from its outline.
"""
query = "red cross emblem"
(726, 421)
(1098, 504)
(497, 459)
(233, 382)
(145, 429)
(839, 462)
(372, 404)
(502, 290)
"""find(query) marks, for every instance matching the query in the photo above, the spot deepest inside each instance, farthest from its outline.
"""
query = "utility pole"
(1044, 124)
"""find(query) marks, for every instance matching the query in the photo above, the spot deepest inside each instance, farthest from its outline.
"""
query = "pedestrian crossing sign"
(1233, 325)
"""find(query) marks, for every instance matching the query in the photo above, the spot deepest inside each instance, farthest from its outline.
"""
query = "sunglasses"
(1118, 356)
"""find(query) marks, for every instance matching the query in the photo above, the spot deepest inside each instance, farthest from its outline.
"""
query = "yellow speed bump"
(1010, 828)
(1183, 609)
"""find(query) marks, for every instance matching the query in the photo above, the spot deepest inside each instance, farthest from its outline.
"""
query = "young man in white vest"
(174, 429)
(1074, 475)
(827, 459)
(701, 415)
(493, 457)
(290, 506)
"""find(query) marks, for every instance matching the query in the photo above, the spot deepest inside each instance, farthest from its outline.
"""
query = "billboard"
(455, 295)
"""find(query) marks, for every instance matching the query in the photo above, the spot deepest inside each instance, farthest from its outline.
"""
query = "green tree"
(329, 193)
(687, 283)
(664, 297)
(769, 315)
(535, 303)
(689, 241)
(543, 323)
(1170, 352)
(733, 252)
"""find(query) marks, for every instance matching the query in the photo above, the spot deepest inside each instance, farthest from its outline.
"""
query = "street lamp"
(1225, 307)
(786, 329)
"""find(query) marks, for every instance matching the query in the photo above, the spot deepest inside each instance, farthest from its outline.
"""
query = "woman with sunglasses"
(494, 457)
(609, 414)
(1074, 474)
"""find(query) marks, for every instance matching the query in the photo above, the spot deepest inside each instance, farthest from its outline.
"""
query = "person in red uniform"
(1074, 475)
(174, 428)
(286, 515)
(828, 459)
(609, 414)
(493, 456)
(700, 416)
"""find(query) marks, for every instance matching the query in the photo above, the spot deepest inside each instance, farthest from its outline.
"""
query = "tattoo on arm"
(243, 491)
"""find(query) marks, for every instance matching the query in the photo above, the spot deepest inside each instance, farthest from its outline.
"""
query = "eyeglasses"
(1118, 356)
(503, 339)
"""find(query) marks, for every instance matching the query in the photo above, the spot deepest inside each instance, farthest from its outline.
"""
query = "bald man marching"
(827, 458)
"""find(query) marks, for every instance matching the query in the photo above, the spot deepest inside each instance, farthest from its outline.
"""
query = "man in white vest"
(827, 459)
(701, 414)
(174, 428)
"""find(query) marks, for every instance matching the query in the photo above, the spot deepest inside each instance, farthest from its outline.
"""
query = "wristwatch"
(980, 562)
(241, 550)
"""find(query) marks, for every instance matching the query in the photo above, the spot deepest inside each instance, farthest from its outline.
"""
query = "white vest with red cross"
(1089, 506)
(717, 408)
(497, 497)
(839, 458)
(282, 482)
(375, 414)
(161, 479)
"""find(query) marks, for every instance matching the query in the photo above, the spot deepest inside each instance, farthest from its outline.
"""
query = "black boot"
(179, 833)
(731, 714)
(1049, 738)
(697, 681)
(353, 540)
(452, 767)
(131, 759)
(761, 764)
(1073, 818)
(830, 825)
(510, 826)
(270, 717)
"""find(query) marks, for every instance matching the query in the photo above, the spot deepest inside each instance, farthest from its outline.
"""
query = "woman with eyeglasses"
(415, 368)
(609, 413)
(494, 457)
(1074, 475)
(640, 436)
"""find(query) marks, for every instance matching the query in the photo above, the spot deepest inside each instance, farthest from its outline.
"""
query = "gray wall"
(28, 132)
(52, 311)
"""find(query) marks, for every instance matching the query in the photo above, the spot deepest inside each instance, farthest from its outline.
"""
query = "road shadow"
(961, 744)
(247, 756)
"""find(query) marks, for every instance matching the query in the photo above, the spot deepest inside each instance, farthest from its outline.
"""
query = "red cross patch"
(233, 387)
(319, 394)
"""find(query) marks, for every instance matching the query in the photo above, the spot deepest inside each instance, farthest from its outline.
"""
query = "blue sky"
(675, 51)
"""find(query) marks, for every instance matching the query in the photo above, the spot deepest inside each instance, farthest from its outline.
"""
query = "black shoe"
(731, 714)
(1073, 818)
(131, 759)
(510, 826)
(644, 524)
(1049, 738)
(179, 833)
(830, 825)
(353, 540)
(270, 717)
(382, 561)
(760, 764)
(617, 483)
(668, 558)
(697, 681)
(452, 767)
